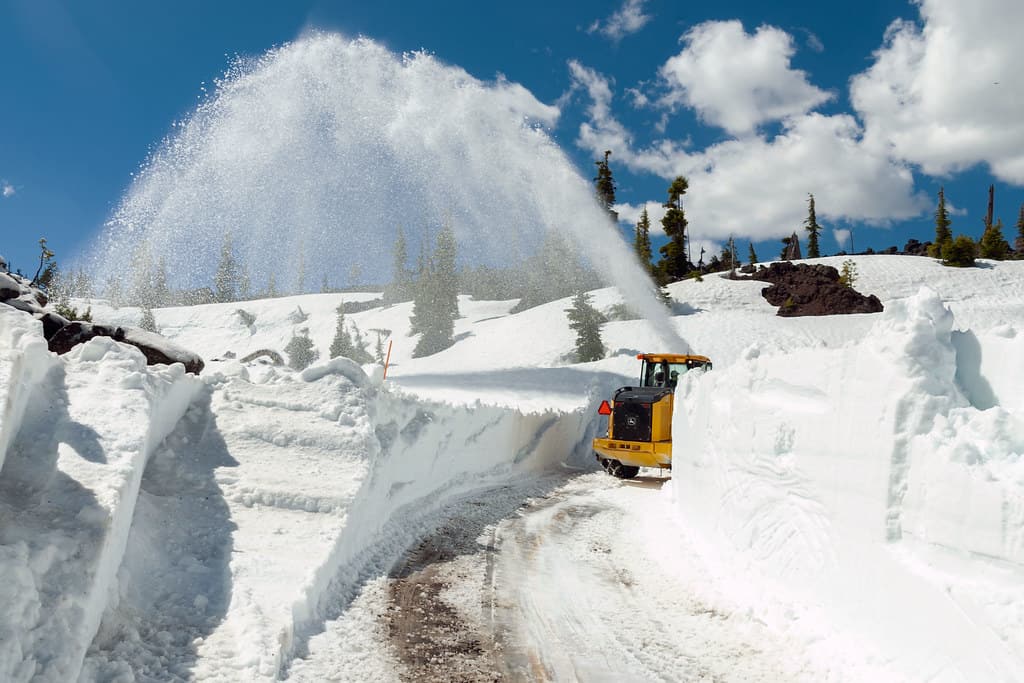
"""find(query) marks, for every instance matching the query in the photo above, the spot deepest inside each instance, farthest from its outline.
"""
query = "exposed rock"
(62, 335)
(158, 349)
(9, 288)
(52, 323)
(804, 289)
(155, 348)
(791, 250)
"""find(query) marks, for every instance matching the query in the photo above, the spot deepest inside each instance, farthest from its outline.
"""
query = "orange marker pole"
(388, 359)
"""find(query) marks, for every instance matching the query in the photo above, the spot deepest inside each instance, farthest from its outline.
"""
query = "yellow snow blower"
(640, 418)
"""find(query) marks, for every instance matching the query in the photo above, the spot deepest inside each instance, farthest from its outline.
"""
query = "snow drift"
(829, 486)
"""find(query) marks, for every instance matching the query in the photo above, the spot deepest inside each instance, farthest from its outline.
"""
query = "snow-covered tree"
(301, 353)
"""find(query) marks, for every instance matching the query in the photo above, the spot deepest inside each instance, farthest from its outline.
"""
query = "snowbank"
(77, 433)
(822, 484)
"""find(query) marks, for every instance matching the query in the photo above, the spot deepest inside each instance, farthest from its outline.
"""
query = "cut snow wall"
(25, 361)
(802, 472)
(429, 455)
(67, 495)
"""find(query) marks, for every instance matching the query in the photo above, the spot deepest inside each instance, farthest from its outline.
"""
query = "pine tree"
(436, 304)
(401, 279)
(943, 235)
(812, 227)
(752, 255)
(225, 281)
(161, 292)
(301, 353)
(586, 321)
(642, 241)
(605, 186)
(343, 343)
(148, 321)
(674, 263)
(992, 244)
(141, 292)
(959, 252)
(1018, 244)
(271, 286)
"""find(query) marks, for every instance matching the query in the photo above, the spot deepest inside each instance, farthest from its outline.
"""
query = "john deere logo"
(631, 421)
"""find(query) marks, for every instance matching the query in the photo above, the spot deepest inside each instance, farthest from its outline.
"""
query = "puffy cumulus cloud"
(757, 186)
(603, 131)
(629, 214)
(629, 18)
(947, 92)
(737, 81)
(6, 189)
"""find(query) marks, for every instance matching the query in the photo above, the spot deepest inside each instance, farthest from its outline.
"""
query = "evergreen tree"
(959, 252)
(435, 304)
(943, 235)
(300, 271)
(147, 321)
(993, 245)
(141, 292)
(244, 285)
(606, 186)
(271, 286)
(301, 353)
(225, 281)
(586, 321)
(642, 241)
(752, 255)
(1018, 244)
(675, 263)
(401, 288)
(161, 293)
(343, 343)
(812, 227)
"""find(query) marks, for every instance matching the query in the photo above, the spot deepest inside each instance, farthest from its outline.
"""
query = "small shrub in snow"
(848, 274)
(248, 319)
(298, 316)
(301, 353)
(71, 313)
(959, 253)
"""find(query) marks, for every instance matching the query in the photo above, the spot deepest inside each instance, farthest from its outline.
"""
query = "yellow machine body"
(640, 418)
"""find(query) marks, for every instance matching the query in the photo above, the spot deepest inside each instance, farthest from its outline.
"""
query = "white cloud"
(755, 186)
(603, 131)
(6, 189)
(629, 18)
(629, 214)
(737, 81)
(947, 93)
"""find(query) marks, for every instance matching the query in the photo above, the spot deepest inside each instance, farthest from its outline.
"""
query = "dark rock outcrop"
(804, 289)
(62, 335)
(155, 348)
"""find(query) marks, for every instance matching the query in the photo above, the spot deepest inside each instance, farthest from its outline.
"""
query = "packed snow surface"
(846, 503)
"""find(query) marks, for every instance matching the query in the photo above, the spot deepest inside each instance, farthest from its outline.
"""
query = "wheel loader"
(640, 417)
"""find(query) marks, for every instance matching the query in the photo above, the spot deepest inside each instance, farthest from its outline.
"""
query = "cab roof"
(672, 357)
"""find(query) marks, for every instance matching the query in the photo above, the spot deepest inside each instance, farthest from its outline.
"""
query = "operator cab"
(665, 370)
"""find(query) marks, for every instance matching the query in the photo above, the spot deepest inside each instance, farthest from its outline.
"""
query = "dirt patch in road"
(433, 642)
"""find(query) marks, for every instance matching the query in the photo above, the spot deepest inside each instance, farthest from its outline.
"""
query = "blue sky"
(758, 103)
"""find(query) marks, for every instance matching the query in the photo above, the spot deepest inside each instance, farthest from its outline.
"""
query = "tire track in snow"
(566, 589)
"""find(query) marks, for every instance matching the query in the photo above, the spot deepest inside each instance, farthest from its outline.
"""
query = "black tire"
(618, 470)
